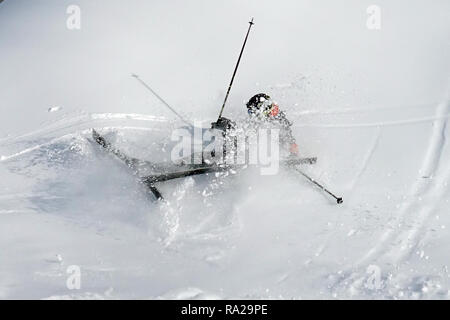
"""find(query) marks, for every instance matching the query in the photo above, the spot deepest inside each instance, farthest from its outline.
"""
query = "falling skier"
(264, 111)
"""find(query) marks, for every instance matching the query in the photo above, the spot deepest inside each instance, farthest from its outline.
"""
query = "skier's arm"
(288, 138)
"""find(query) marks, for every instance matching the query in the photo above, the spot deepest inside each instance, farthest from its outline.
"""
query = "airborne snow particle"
(54, 109)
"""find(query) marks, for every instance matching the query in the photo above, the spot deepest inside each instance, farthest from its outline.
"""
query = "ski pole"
(338, 199)
(235, 69)
(161, 99)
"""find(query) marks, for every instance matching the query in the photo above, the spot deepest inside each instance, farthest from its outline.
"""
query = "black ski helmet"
(255, 103)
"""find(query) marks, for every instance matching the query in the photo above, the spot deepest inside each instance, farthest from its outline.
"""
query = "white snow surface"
(378, 125)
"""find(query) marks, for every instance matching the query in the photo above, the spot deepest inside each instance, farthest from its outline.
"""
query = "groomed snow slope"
(377, 123)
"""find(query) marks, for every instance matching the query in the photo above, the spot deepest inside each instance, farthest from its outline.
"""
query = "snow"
(373, 107)
(54, 109)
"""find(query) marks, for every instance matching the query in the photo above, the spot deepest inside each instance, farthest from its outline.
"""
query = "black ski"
(182, 174)
(166, 172)
(298, 161)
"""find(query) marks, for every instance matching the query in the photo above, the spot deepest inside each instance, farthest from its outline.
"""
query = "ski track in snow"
(420, 188)
(85, 132)
(403, 234)
(427, 199)
(34, 148)
(75, 122)
(443, 117)
(366, 159)
(360, 109)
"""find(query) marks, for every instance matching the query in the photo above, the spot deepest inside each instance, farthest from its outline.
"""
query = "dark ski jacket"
(256, 121)
(279, 121)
